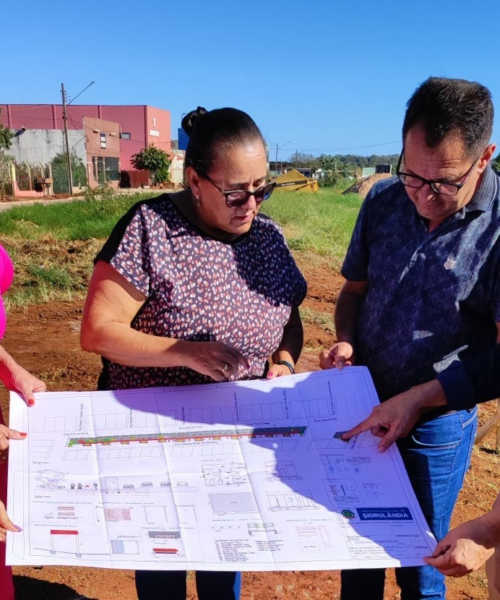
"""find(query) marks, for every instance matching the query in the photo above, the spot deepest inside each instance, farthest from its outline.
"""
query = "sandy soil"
(45, 340)
(363, 186)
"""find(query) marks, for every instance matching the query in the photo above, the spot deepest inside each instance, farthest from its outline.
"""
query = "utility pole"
(68, 152)
(281, 162)
(276, 161)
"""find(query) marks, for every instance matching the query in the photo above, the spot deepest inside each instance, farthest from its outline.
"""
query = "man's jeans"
(171, 585)
(436, 455)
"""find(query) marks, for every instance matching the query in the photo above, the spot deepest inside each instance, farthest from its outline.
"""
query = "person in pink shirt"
(16, 379)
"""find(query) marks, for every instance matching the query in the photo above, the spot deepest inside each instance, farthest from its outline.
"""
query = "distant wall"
(41, 145)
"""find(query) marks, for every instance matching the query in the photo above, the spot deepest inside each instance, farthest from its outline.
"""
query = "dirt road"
(45, 339)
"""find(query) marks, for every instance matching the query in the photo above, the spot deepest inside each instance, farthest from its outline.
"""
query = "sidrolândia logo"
(348, 514)
(450, 263)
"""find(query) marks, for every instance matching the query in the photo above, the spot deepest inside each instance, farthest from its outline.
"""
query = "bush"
(331, 179)
(155, 161)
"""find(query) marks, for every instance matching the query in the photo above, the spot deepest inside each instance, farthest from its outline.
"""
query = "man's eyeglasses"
(438, 186)
(237, 198)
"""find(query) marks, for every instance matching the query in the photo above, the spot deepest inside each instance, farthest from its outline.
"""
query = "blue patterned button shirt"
(433, 297)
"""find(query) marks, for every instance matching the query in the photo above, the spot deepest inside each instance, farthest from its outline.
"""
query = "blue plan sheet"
(250, 476)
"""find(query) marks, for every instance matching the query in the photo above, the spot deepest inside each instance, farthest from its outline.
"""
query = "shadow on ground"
(28, 588)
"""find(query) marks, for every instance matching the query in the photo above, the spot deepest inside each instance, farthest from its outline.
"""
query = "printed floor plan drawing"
(250, 476)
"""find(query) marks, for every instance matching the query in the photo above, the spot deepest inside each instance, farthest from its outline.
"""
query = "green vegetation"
(60, 172)
(6, 136)
(340, 164)
(49, 269)
(81, 220)
(53, 246)
(155, 161)
(320, 222)
(314, 317)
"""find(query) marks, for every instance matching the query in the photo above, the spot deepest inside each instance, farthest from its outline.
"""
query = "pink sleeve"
(6, 270)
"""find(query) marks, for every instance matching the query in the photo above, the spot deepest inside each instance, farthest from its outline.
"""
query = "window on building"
(106, 168)
(125, 135)
(103, 140)
(112, 168)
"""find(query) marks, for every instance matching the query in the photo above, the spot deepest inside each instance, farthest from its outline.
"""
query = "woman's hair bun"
(188, 122)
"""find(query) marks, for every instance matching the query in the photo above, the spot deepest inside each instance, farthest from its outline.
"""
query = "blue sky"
(319, 77)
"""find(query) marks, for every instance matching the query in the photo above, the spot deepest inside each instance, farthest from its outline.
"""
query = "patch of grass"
(320, 222)
(49, 269)
(53, 246)
(315, 317)
(54, 276)
(76, 220)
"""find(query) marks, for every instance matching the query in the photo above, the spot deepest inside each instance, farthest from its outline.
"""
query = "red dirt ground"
(45, 340)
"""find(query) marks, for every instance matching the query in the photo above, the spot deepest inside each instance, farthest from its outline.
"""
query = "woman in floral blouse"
(196, 287)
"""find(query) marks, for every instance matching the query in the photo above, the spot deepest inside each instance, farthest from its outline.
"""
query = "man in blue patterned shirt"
(422, 296)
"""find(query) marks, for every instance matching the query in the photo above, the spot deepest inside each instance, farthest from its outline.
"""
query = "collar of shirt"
(486, 194)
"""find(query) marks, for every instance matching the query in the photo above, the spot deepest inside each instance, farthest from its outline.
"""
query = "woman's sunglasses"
(236, 198)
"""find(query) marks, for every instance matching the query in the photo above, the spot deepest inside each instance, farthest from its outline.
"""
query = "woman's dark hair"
(211, 133)
(443, 106)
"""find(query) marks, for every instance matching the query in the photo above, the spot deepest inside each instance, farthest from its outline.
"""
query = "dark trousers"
(210, 585)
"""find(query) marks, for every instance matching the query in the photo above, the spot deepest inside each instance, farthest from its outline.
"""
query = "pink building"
(103, 151)
(139, 125)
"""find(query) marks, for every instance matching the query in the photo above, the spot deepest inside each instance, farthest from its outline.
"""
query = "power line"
(79, 94)
(337, 148)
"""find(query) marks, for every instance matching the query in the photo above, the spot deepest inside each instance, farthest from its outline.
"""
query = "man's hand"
(340, 355)
(396, 417)
(462, 550)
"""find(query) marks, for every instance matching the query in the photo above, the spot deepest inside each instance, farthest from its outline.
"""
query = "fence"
(60, 175)
(6, 180)
(33, 181)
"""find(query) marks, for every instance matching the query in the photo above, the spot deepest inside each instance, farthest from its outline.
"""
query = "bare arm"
(395, 417)
(290, 346)
(342, 353)
(111, 305)
(17, 379)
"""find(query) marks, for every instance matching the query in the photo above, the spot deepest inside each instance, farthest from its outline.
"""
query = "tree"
(334, 168)
(303, 160)
(60, 172)
(6, 136)
(155, 161)
(496, 163)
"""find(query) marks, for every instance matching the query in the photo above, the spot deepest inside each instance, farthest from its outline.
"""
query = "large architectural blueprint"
(231, 476)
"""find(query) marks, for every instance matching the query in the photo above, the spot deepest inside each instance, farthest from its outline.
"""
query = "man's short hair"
(443, 106)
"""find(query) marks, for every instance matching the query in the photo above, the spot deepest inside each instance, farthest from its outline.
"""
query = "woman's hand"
(7, 434)
(215, 359)
(278, 371)
(5, 523)
(17, 379)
